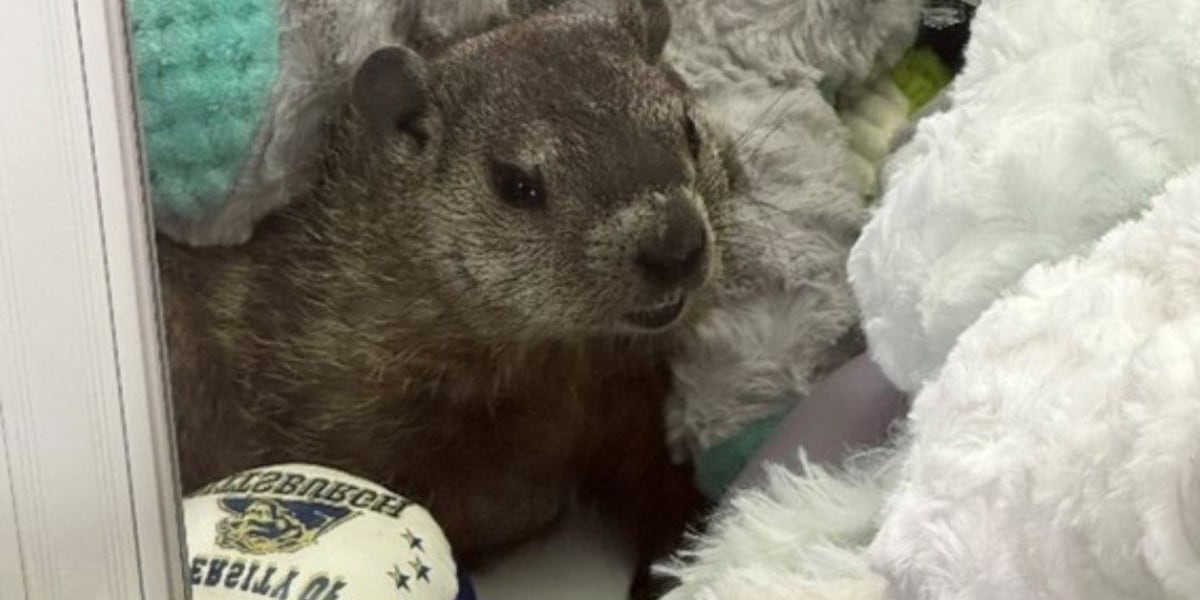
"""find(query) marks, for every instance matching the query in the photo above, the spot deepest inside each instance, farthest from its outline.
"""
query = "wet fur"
(401, 324)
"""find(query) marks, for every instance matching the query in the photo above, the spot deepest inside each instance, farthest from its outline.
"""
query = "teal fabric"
(718, 467)
(205, 69)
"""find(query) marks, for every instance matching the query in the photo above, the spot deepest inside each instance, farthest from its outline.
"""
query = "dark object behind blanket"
(947, 41)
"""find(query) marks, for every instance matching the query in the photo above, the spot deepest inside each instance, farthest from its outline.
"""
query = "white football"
(304, 532)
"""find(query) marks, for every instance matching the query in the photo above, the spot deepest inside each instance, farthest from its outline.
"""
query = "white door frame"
(88, 492)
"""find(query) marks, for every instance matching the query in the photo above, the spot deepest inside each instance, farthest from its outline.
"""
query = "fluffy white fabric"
(800, 537)
(846, 41)
(1068, 117)
(787, 302)
(1058, 454)
(788, 313)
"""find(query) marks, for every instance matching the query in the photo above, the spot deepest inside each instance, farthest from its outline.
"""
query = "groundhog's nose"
(677, 256)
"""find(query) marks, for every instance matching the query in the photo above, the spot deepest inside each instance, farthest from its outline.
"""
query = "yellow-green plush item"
(205, 70)
(921, 75)
(888, 107)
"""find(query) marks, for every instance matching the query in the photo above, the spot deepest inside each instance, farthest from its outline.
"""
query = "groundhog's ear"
(391, 93)
(649, 22)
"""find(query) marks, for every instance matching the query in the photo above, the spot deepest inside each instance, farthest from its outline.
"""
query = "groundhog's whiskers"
(758, 119)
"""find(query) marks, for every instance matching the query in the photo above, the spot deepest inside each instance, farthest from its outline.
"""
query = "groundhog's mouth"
(659, 315)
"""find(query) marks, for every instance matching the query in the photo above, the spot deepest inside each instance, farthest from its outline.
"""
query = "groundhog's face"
(568, 182)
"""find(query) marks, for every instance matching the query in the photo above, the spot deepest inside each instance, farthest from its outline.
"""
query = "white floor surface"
(585, 560)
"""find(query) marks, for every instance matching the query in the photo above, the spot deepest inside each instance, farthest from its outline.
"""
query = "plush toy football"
(305, 532)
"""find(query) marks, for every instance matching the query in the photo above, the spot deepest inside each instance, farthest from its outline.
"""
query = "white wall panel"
(87, 493)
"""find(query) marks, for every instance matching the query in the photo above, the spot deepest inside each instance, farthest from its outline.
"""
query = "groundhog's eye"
(692, 134)
(516, 187)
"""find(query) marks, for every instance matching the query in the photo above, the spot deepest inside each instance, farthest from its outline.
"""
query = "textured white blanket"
(1058, 454)
(1054, 448)
(1069, 116)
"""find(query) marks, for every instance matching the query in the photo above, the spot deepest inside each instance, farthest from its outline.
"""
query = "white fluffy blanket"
(1053, 449)
(1068, 117)
(1058, 454)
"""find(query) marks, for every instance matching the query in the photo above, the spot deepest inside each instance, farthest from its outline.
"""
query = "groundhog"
(477, 305)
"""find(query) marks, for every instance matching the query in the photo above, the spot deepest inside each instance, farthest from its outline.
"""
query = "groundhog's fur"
(406, 324)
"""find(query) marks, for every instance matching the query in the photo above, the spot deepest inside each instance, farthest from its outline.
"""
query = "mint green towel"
(719, 466)
(205, 70)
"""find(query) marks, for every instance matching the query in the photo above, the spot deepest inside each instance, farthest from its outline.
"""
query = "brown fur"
(402, 324)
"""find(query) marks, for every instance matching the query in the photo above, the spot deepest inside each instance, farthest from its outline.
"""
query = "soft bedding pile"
(1069, 116)
(1031, 277)
(1056, 456)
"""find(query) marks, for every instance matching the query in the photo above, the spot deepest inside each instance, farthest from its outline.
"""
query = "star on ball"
(413, 540)
(420, 569)
(400, 578)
